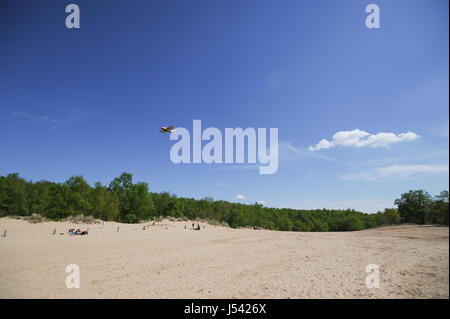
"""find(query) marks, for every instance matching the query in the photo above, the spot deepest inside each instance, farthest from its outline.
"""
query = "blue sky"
(90, 101)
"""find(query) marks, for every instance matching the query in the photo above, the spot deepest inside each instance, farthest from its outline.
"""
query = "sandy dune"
(168, 261)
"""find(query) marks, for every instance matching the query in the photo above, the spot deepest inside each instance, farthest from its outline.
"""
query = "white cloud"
(241, 197)
(34, 117)
(358, 138)
(289, 152)
(61, 108)
(261, 202)
(397, 171)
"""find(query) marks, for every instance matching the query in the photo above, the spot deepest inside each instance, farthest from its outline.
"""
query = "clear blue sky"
(90, 101)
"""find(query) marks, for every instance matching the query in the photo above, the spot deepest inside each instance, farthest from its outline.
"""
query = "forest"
(128, 202)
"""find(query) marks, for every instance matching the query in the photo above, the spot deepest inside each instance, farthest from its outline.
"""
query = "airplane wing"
(170, 127)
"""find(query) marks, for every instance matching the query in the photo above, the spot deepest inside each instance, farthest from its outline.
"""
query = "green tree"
(127, 202)
(413, 206)
(13, 196)
(438, 212)
(80, 201)
(105, 204)
(122, 187)
(392, 216)
(141, 203)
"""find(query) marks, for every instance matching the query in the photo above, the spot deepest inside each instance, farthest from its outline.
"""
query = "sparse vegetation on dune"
(123, 201)
(35, 218)
(81, 219)
(214, 222)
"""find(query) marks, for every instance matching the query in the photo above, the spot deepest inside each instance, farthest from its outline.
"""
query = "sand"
(168, 261)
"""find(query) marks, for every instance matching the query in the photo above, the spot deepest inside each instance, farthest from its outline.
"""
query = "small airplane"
(167, 129)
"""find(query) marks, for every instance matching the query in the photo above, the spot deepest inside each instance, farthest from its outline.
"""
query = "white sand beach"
(168, 261)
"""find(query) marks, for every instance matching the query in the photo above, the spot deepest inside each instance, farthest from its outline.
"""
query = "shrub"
(216, 222)
(35, 218)
(131, 219)
(81, 219)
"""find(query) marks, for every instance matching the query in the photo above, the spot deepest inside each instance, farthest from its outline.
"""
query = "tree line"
(128, 202)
